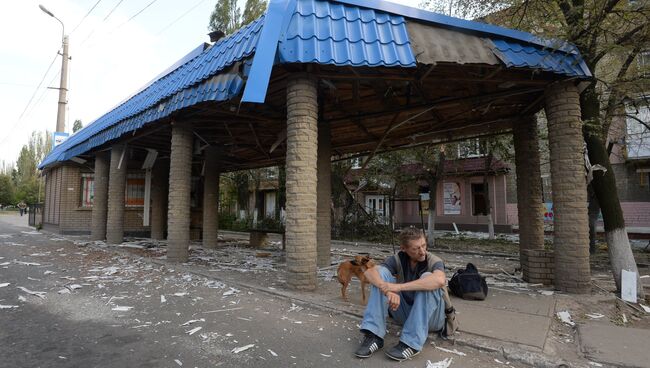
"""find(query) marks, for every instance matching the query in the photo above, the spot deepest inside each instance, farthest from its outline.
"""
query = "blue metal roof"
(331, 33)
(336, 32)
(182, 87)
(516, 55)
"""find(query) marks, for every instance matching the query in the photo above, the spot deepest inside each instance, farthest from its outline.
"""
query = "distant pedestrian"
(22, 207)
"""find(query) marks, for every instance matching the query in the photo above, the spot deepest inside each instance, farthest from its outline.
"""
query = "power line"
(85, 16)
(31, 98)
(134, 15)
(179, 18)
(103, 21)
(112, 10)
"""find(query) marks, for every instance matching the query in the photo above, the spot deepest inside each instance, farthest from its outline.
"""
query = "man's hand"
(387, 287)
(393, 300)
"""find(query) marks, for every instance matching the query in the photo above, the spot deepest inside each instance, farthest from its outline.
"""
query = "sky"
(113, 51)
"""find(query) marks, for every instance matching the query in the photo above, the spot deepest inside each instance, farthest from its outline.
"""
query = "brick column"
(570, 224)
(302, 138)
(100, 197)
(529, 187)
(180, 185)
(211, 174)
(324, 193)
(159, 188)
(116, 194)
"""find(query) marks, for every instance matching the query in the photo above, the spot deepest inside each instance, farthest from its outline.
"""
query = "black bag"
(468, 284)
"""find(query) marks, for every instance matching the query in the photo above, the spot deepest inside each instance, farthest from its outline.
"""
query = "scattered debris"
(645, 308)
(243, 348)
(122, 308)
(232, 291)
(64, 291)
(180, 364)
(272, 352)
(624, 318)
(594, 315)
(162, 299)
(441, 364)
(547, 292)
(223, 310)
(565, 317)
(595, 364)
(26, 263)
(22, 298)
(48, 272)
(325, 355)
(451, 351)
(8, 306)
(193, 321)
(40, 294)
(628, 286)
(295, 307)
(180, 294)
(4, 284)
(193, 331)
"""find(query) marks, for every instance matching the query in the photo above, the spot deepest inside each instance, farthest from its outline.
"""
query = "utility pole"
(63, 88)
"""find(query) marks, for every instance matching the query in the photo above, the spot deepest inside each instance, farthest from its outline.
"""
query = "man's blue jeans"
(426, 314)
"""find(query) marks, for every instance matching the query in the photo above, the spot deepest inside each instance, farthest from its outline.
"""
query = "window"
(479, 205)
(87, 190)
(471, 148)
(644, 179)
(134, 190)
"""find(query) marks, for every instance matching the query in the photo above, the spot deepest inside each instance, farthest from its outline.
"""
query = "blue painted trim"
(267, 46)
(489, 29)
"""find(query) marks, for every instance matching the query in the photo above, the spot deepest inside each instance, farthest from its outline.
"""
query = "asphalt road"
(68, 305)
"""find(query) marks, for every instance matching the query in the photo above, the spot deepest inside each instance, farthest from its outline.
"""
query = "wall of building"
(63, 211)
(407, 213)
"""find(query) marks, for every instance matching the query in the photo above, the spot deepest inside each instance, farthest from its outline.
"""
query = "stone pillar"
(302, 138)
(100, 197)
(159, 188)
(570, 223)
(116, 194)
(211, 172)
(180, 185)
(324, 195)
(529, 186)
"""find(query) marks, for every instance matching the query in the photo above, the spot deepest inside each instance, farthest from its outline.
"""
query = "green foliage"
(28, 191)
(77, 126)
(228, 18)
(7, 190)
(252, 10)
(366, 227)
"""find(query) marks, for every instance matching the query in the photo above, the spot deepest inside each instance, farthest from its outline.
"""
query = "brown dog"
(356, 267)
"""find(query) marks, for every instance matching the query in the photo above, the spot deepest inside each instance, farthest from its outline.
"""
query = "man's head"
(413, 243)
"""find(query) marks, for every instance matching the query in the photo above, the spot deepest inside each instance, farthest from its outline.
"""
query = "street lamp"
(63, 85)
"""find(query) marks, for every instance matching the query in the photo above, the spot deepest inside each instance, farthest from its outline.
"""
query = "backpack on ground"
(468, 284)
(451, 324)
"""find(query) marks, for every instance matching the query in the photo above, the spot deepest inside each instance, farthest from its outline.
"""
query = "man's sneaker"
(370, 344)
(401, 352)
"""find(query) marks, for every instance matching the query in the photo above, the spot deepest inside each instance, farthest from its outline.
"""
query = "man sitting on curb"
(417, 303)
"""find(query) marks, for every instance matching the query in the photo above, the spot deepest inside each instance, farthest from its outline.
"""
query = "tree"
(6, 190)
(77, 126)
(252, 10)
(227, 16)
(25, 176)
(610, 35)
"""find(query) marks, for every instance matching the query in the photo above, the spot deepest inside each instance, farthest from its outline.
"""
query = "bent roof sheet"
(343, 32)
